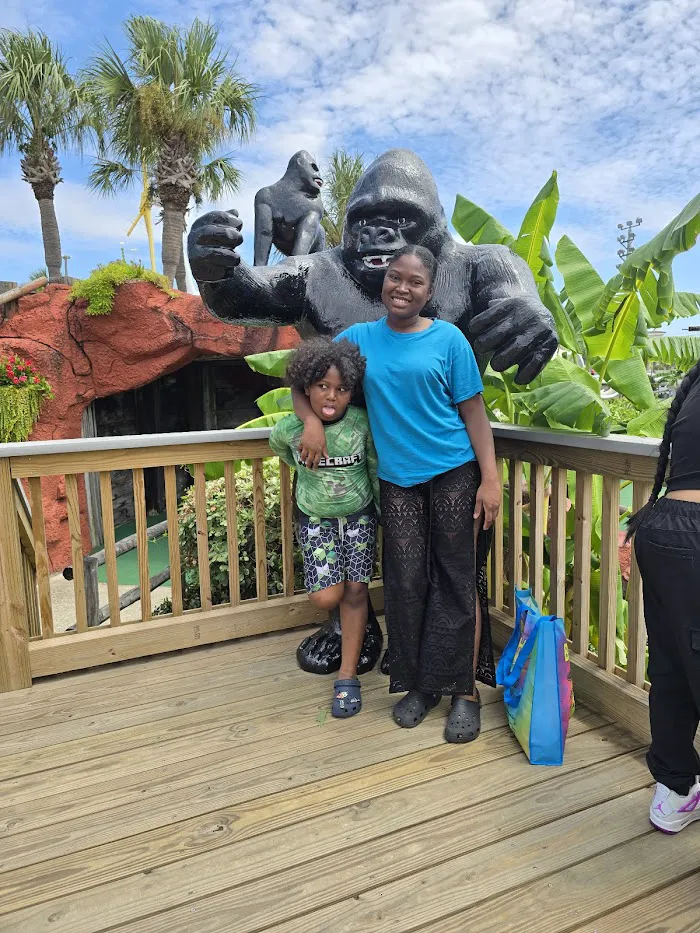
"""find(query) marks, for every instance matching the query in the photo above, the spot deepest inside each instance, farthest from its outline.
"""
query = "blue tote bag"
(535, 671)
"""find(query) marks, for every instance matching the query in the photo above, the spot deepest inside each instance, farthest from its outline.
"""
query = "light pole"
(626, 238)
(65, 265)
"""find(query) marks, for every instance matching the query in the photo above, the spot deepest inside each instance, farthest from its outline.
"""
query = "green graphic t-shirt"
(346, 481)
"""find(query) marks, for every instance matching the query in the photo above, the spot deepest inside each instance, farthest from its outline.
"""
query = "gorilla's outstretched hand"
(212, 244)
(515, 332)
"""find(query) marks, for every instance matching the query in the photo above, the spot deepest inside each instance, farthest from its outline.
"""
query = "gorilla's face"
(308, 172)
(374, 232)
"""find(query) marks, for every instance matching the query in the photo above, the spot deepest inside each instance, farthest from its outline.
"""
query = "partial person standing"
(667, 544)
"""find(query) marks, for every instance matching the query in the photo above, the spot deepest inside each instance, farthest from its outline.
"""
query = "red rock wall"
(147, 335)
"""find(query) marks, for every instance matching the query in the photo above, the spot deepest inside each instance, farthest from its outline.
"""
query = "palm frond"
(340, 176)
(217, 178)
(108, 177)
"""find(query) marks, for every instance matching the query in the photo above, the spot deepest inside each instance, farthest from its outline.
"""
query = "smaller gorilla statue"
(288, 214)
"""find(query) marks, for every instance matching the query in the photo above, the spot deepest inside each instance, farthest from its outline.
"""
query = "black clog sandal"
(464, 720)
(412, 709)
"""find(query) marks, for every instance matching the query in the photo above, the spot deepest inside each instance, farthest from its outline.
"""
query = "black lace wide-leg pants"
(430, 584)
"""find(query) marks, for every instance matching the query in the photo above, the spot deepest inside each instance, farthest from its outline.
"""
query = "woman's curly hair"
(315, 357)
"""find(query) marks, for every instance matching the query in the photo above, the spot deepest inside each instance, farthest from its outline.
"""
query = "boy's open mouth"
(328, 411)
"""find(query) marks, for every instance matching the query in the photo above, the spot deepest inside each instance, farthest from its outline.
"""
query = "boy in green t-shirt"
(336, 504)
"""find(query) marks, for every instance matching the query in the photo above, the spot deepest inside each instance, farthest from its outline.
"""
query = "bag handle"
(511, 679)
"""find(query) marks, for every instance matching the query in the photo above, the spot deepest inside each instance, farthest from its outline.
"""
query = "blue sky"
(493, 95)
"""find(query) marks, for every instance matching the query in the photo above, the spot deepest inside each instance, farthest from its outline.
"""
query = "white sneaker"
(670, 812)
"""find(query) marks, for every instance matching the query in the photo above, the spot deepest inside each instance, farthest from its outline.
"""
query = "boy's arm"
(279, 443)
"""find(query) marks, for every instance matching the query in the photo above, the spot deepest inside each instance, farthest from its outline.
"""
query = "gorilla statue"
(288, 214)
(487, 291)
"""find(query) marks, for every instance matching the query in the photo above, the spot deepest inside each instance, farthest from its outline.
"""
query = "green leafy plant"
(101, 285)
(22, 392)
(602, 327)
(218, 548)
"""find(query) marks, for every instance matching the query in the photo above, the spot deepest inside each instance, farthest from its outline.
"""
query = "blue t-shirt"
(412, 387)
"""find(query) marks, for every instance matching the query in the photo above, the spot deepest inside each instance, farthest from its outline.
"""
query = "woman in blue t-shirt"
(439, 488)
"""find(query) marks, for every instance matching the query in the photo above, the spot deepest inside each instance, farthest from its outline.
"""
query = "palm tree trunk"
(51, 237)
(181, 272)
(172, 240)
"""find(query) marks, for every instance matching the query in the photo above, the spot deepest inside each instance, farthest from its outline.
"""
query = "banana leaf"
(270, 363)
(475, 225)
(264, 421)
(276, 400)
(677, 237)
(686, 304)
(630, 378)
(562, 370)
(531, 242)
(566, 331)
(566, 406)
(618, 338)
(650, 423)
(583, 285)
(681, 352)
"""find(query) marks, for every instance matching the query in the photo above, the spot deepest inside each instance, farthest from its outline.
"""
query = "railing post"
(15, 671)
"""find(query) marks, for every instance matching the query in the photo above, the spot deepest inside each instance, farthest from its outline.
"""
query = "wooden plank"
(106, 646)
(142, 542)
(399, 883)
(109, 545)
(496, 575)
(582, 564)
(673, 909)
(76, 545)
(557, 544)
(581, 459)
(609, 565)
(537, 531)
(601, 691)
(123, 678)
(42, 558)
(15, 671)
(96, 461)
(173, 540)
(234, 575)
(286, 846)
(259, 522)
(515, 530)
(583, 892)
(287, 529)
(200, 507)
(31, 600)
(636, 629)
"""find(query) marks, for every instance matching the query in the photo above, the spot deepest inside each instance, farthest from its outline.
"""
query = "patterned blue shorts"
(337, 549)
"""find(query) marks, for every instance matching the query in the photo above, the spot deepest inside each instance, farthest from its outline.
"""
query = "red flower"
(22, 378)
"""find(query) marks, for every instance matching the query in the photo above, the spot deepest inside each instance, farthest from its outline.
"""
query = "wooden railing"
(29, 650)
(557, 487)
(570, 486)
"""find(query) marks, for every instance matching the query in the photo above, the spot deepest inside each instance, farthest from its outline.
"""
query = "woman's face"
(407, 288)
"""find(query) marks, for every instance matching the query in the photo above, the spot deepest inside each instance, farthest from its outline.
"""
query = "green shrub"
(100, 286)
(218, 553)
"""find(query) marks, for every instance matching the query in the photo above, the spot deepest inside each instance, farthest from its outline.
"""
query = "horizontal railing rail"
(558, 533)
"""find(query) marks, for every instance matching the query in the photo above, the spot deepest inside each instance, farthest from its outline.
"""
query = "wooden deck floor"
(207, 792)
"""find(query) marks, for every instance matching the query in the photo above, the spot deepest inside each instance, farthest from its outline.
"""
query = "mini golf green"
(127, 564)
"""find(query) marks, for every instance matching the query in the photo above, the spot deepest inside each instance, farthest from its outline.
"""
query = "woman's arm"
(313, 441)
(488, 496)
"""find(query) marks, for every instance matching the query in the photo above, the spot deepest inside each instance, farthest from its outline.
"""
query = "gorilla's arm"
(306, 233)
(234, 291)
(509, 322)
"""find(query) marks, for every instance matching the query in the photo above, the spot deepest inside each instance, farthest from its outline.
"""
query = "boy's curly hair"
(315, 357)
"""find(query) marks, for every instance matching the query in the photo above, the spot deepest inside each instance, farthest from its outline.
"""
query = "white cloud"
(494, 95)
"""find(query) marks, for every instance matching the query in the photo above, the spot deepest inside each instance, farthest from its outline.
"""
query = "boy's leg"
(353, 620)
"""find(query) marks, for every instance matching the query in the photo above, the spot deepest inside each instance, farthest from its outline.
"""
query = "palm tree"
(340, 177)
(171, 103)
(41, 108)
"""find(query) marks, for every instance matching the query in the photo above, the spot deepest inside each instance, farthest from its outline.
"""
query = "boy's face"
(329, 396)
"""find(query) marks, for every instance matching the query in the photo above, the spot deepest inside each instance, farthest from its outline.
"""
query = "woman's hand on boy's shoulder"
(312, 446)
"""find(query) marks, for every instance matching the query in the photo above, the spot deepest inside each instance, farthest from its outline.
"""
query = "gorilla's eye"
(402, 221)
(314, 166)
(362, 222)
